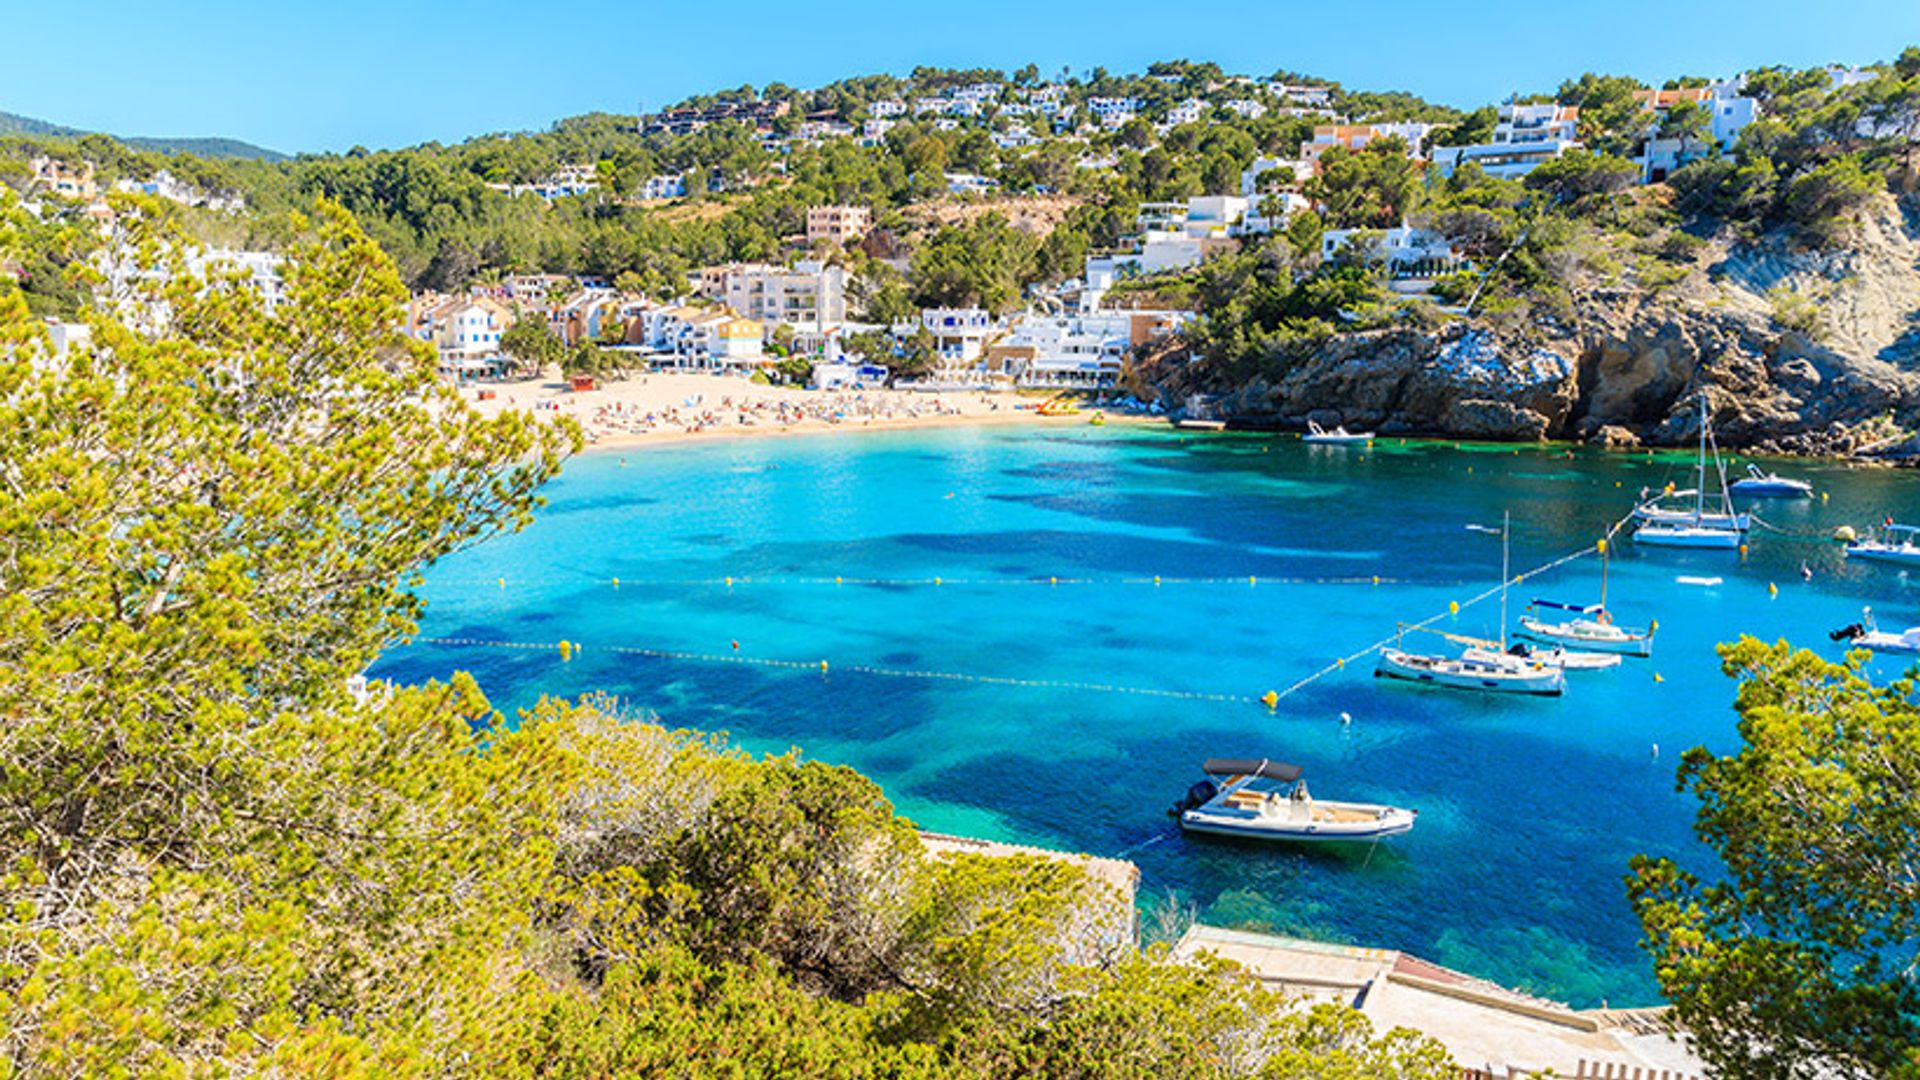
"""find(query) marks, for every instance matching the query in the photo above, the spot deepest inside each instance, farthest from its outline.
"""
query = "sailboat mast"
(1700, 479)
(1506, 530)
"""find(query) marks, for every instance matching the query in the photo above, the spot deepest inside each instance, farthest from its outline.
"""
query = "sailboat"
(1339, 436)
(1485, 666)
(1700, 529)
(1586, 627)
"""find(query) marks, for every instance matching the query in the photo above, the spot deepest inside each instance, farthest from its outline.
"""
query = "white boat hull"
(1587, 636)
(1564, 659)
(1688, 536)
(1490, 677)
(1874, 551)
(1880, 641)
(1772, 489)
(1325, 821)
(1336, 440)
(1655, 516)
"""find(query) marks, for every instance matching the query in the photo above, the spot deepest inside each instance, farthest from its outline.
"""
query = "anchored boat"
(1590, 629)
(1766, 485)
(1485, 666)
(1722, 528)
(1234, 801)
(1866, 634)
(1339, 436)
(1493, 671)
(1655, 512)
(1564, 659)
(1893, 543)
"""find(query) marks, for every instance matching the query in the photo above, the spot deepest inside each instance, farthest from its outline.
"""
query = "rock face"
(1797, 351)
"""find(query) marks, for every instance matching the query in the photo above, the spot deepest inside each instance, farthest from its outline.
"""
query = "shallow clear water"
(1529, 809)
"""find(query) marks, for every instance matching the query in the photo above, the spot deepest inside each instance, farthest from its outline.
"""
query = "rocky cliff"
(1798, 351)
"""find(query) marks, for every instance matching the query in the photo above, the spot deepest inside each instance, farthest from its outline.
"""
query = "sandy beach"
(657, 408)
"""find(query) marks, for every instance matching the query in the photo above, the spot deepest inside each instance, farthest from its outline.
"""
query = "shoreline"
(675, 409)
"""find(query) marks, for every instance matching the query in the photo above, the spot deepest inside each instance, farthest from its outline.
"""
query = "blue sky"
(304, 76)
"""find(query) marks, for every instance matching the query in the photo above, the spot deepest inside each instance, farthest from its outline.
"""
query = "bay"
(969, 683)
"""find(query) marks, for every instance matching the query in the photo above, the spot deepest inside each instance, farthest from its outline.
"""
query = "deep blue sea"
(1529, 809)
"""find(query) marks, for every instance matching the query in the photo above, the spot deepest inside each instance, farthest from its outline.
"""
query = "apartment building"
(842, 225)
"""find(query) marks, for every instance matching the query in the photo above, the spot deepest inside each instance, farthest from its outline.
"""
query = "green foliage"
(1581, 174)
(1827, 201)
(1797, 960)
(1374, 187)
(979, 264)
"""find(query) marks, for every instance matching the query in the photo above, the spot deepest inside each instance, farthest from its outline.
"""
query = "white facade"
(808, 295)
(1525, 136)
(960, 183)
(960, 334)
(664, 186)
(1087, 349)
(1401, 246)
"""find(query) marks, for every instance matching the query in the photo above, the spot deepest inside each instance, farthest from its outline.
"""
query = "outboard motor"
(1846, 633)
(1198, 795)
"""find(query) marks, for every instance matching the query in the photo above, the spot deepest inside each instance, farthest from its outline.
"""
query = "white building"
(889, 107)
(1525, 136)
(1402, 247)
(1251, 110)
(960, 334)
(664, 186)
(1187, 112)
(809, 295)
(1728, 113)
(1085, 350)
(961, 183)
(165, 185)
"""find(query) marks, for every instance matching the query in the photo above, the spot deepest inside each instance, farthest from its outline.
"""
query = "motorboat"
(1338, 436)
(1766, 485)
(1718, 527)
(1588, 628)
(1487, 670)
(1266, 799)
(1891, 543)
(1564, 659)
(1866, 634)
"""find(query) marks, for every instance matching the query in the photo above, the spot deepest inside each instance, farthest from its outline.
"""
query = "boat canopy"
(1267, 767)
(1560, 605)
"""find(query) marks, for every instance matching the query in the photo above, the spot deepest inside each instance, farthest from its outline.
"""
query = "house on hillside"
(56, 177)
(1523, 137)
(1727, 112)
(843, 225)
(1357, 136)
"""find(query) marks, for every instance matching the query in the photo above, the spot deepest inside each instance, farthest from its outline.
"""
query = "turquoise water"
(1529, 809)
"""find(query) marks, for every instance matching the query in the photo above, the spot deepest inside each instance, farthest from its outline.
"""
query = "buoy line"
(1271, 699)
(568, 649)
(915, 582)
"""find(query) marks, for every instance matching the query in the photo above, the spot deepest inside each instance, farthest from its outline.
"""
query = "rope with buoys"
(735, 581)
(569, 649)
(1271, 699)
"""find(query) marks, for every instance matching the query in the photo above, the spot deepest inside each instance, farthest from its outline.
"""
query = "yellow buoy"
(1772, 589)
(1823, 496)
(1743, 551)
(566, 650)
(823, 667)
(1250, 580)
(1053, 581)
(616, 583)
(1453, 607)
(936, 581)
(1270, 698)
(1156, 580)
(1616, 483)
(729, 581)
(1845, 534)
(1340, 663)
(836, 579)
(1601, 546)
(1652, 626)
(1376, 579)
(503, 583)
(1657, 677)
